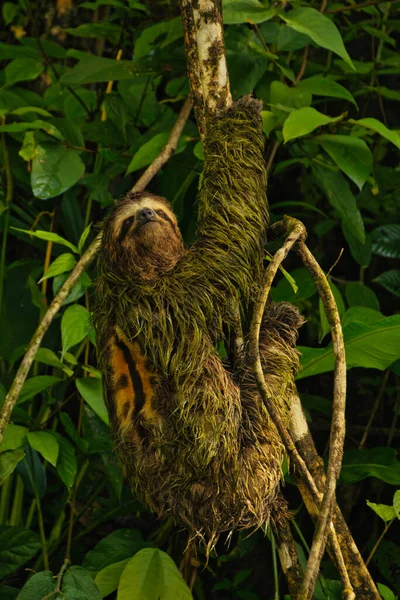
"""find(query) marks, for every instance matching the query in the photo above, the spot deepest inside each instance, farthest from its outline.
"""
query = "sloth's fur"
(203, 448)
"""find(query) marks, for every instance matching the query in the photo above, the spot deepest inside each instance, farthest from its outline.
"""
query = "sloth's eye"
(125, 227)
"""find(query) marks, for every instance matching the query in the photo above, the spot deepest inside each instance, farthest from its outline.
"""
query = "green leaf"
(152, 574)
(48, 357)
(358, 294)
(396, 503)
(150, 150)
(8, 461)
(386, 241)
(362, 314)
(360, 252)
(28, 147)
(284, 291)
(32, 126)
(110, 31)
(374, 346)
(48, 236)
(339, 194)
(322, 86)
(79, 579)
(119, 545)
(94, 69)
(163, 33)
(247, 60)
(38, 586)
(284, 99)
(351, 155)
(74, 326)
(378, 127)
(384, 511)
(107, 580)
(63, 264)
(66, 464)
(17, 546)
(55, 169)
(77, 290)
(319, 28)
(22, 69)
(14, 437)
(390, 280)
(303, 121)
(44, 443)
(377, 462)
(91, 390)
(10, 11)
(386, 592)
(83, 238)
(269, 121)
(244, 11)
(23, 110)
(36, 385)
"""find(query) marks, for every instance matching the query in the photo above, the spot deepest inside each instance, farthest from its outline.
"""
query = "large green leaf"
(17, 546)
(339, 194)
(117, 546)
(38, 586)
(163, 33)
(46, 444)
(74, 326)
(285, 100)
(94, 69)
(66, 463)
(390, 280)
(247, 60)
(384, 511)
(358, 294)
(62, 264)
(152, 574)
(48, 236)
(92, 391)
(151, 149)
(381, 463)
(386, 240)
(351, 154)
(78, 581)
(22, 69)
(55, 169)
(374, 346)
(14, 437)
(378, 127)
(8, 461)
(322, 86)
(107, 580)
(319, 28)
(303, 121)
(35, 385)
(244, 11)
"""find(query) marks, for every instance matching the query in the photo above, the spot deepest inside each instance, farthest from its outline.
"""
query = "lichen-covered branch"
(83, 263)
(205, 54)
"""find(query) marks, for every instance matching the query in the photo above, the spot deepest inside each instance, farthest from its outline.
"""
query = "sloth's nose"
(146, 214)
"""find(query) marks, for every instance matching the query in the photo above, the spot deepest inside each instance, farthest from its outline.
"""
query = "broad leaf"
(8, 461)
(361, 314)
(17, 546)
(396, 503)
(92, 391)
(322, 86)
(163, 33)
(81, 582)
(74, 326)
(63, 264)
(378, 127)
(22, 69)
(55, 169)
(384, 511)
(35, 385)
(151, 149)
(117, 546)
(46, 444)
(152, 574)
(351, 155)
(319, 28)
(390, 280)
(377, 462)
(66, 464)
(285, 100)
(358, 294)
(339, 194)
(303, 121)
(14, 437)
(94, 69)
(386, 241)
(374, 346)
(48, 236)
(38, 586)
(244, 11)
(107, 580)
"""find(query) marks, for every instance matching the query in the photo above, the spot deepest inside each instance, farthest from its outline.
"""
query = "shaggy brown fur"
(192, 433)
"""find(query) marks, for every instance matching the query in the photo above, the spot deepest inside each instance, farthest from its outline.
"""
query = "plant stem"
(375, 548)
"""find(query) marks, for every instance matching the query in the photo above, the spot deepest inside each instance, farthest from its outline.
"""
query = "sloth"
(190, 429)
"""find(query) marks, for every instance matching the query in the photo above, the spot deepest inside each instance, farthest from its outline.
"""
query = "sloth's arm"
(233, 212)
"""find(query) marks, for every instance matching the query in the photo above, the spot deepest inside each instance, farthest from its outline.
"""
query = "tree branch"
(84, 262)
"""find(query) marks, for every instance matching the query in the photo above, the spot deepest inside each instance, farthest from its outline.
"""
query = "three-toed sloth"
(190, 429)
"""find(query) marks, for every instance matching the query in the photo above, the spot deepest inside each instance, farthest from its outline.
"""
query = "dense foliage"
(71, 142)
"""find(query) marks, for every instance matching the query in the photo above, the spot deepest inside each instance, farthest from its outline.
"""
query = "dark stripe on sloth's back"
(137, 383)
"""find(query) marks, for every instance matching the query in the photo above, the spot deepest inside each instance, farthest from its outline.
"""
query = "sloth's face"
(142, 235)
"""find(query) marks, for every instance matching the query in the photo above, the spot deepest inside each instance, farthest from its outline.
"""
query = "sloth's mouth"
(145, 222)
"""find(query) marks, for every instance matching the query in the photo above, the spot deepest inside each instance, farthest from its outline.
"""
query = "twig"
(357, 6)
(374, 549)
(84, 262)
(272, 156)
(338, 419)
(374, 409)
(168, 149)
(303, 65)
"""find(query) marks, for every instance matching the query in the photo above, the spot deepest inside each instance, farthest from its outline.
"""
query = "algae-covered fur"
(195, 440)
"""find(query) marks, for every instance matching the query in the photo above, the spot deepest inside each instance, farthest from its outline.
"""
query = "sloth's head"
(141, 236)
